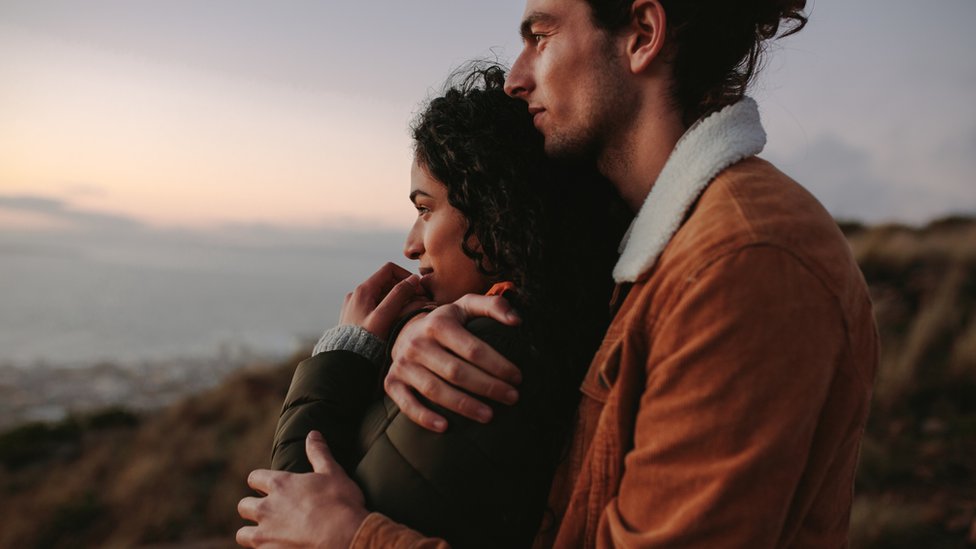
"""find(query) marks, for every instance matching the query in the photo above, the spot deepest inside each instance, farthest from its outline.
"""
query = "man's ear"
(648, 29)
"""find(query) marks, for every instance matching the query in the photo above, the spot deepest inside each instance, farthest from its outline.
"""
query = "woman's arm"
(329, 393)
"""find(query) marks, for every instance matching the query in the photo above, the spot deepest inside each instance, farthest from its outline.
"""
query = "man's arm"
(320, 508)
(741, 368)
(435, 355)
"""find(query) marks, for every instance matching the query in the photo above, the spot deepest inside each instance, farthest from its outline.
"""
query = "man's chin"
(569, 149)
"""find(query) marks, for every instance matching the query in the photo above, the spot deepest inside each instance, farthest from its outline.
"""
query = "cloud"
(846, 180)
(84, 190)
(59, 210)
(102, 237)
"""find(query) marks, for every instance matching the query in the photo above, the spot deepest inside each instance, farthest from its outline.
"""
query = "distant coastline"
(49, 393)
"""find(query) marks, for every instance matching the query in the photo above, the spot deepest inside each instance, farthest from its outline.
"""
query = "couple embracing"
(705, 386)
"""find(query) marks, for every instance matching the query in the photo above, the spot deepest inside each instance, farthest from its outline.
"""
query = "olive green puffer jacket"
(476, 485)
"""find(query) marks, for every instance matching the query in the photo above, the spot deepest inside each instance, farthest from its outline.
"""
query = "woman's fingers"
(380, 282)
(402, 293)
(363, 301)
(380, 319)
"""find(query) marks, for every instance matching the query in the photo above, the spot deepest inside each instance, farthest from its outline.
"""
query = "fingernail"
(511, 397)
(512, 316)
(440, 425)
(314, 435)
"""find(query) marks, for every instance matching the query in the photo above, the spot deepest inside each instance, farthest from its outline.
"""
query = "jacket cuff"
(379, 532)
(352, 338)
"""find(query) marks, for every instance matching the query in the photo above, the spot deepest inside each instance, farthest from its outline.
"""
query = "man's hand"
(385, 296)
(322, 508)
(434, 354)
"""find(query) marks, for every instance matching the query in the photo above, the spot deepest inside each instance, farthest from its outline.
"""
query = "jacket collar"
(708, 147)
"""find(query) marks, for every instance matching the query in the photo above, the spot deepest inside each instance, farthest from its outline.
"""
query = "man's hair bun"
(778, 18)
(715, 47)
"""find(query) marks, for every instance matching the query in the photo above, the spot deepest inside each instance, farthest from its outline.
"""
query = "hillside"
(173, 477)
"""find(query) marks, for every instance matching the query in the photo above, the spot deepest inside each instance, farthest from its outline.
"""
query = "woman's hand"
(385, 296)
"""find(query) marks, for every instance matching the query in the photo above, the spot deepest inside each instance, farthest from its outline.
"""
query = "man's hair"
(716, 47)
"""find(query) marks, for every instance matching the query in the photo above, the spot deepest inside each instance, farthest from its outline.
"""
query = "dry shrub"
(917, 479)
(175, 478)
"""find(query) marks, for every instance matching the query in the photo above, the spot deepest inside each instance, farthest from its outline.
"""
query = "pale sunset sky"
(190, 114)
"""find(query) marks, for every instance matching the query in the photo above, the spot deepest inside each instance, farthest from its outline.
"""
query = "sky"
(189, 115)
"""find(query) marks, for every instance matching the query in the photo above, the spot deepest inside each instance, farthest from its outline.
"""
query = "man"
(726, 404)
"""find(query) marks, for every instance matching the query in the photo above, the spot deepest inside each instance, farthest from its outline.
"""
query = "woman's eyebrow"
(414, 193)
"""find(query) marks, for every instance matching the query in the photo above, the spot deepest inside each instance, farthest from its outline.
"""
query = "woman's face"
(435, 240)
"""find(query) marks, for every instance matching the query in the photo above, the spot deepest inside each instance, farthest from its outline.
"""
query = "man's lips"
(536, 113)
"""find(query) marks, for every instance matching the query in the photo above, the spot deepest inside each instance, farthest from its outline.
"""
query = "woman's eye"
(422, 210)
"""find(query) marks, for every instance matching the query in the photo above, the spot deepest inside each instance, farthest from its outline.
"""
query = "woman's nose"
(414, 246)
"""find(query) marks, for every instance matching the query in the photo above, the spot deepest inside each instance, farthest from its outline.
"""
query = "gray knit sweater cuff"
(353, 338)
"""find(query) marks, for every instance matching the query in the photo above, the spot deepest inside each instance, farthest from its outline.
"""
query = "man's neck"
(634, 161)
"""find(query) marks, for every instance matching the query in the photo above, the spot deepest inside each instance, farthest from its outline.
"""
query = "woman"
(493, 213)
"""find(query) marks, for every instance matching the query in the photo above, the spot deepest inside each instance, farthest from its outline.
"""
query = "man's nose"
(518, 84)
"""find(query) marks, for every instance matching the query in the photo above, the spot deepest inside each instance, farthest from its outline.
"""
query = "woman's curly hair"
(552, 229)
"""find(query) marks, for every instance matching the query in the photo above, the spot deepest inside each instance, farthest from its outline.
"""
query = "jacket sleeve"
(329, 393)
(735, 383)
(379, 532)
(476, 485)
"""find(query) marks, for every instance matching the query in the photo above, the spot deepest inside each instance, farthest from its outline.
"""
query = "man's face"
(569, 74)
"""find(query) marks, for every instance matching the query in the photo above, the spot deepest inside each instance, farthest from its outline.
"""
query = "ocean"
(134, 317)
(134, 294)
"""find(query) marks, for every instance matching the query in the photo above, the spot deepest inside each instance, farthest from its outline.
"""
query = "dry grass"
(917, 482)
(175, 476)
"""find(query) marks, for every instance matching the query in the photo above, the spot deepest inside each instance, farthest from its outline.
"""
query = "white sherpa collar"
(708, 147)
